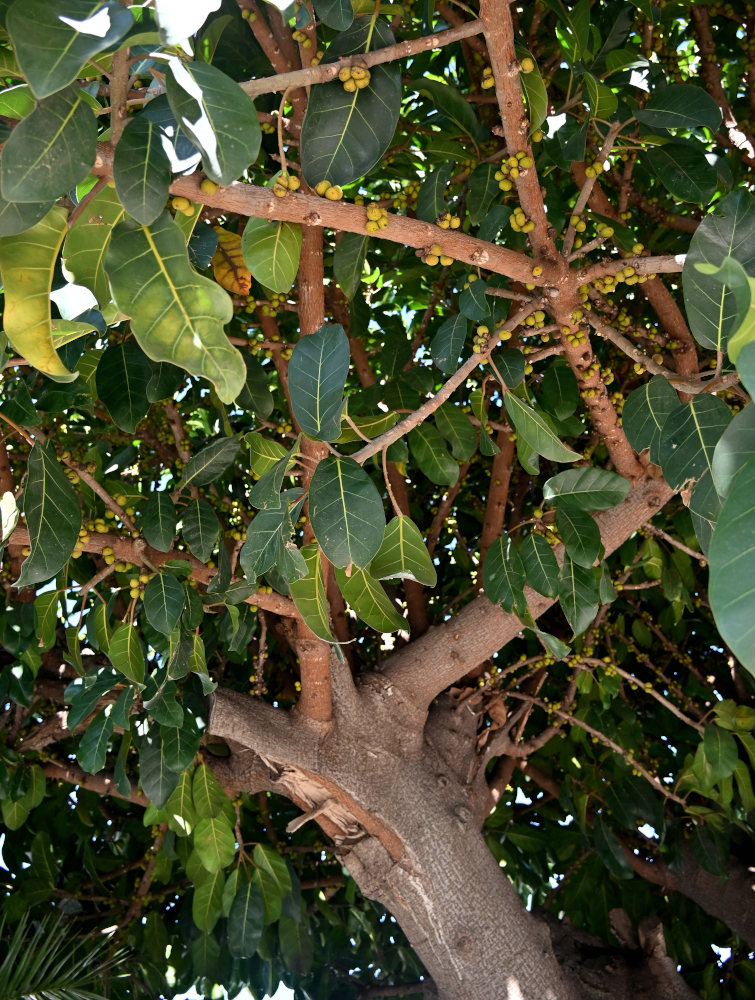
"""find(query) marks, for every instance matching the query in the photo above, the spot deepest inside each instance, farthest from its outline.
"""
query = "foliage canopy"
(409, 342)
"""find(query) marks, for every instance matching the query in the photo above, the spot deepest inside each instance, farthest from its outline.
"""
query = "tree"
(376, 398)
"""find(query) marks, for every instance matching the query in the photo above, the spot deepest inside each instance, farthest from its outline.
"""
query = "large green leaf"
(53, 516)
(255, 394)
(164, 599)
(645, 412)
(482, 191)
(580, 534)
(316, 377)
(458, 430)
(210, 463)
(265, 537)
(346, 512)
(51, 150)
(336, 14)
(296, 944)
(91, 752)
(689, 437)
(87, 241)
(159, 521)
(540, 564)
(403, 554)
(536, 432)
(271, 252)
(559, 390)
(182, 816)
(728, 231)
(141, 170)
(157, 779)
(450, 103)
(176, 314)
(208, 796)
(503, 575)
(345, 134)
(53, 39)
(430, 453)
(181, 743)
(537, 97)
(216, 115)
(273, 879)
(578, 593)
(366, 596)
(309, 595)
(122, 377)
(348, 262)
(735, 447)
(246, 918)
(588, 489)
(214, 842)
(732, 567)
(200, 528)
(16, 216)
(680, 105)
(683, 170)
(431, 200)
(448, 343)
(207, 904)
(125, 653)
(27, 263)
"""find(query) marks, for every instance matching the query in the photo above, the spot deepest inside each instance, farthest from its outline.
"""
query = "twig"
(584, 194)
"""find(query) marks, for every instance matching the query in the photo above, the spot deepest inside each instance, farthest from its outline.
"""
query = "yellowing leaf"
(228, 264)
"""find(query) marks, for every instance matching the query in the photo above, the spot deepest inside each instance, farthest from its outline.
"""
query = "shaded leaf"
(141, 169)
(317, 375)
(346, 512)
(271, 251)
(536, 432)
(123, 374)
(163, 602)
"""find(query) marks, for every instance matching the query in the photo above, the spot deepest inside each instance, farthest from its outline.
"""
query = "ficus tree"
(378, 474)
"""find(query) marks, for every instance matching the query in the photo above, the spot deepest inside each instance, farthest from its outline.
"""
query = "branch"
(309, 210)
(269, 732)
(329, 71)
(101, 783)
(448, 651)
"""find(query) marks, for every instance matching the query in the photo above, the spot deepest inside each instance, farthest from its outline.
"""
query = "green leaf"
(246, 917)
(580, 534)
(348, 262)
(721, 754)
(27, 263)
(448, 343)
(271, 252)
(266, 492)
(429, 451)
(510, 362)
(141, 169)
(473, 301)
(91, 752)
(610, 851)
(86, 243)
(336, 14)
(217, 116)
(503, 574)
(309, 595)
(164, 599)
(735, 446)
(366, 596)
(268, 531)
(704, 507)
(403, 554)
(537, 97)
(53, 517)
(273, 869)
(255, 393)
(603, 101)
(732, 567)
(207, 904)
(728, 231)
(157, 779)
(552, 643)
(689, 437)
(17, 216)
(346, 512)
(200, 528)
(680, 105)
(51, 150)
(176, 314)
(263, 453)
(450, 103)
(458, 430)
(208, 465)
(587, 489)
(123, 374)
(159, 522)
(536, 432)
(317, 375)
(683, 170)
(431, 200)
(14, 814)
(207, 795)
(344, 134)
(54, 39)
(540, 564)
(214, 842)
(645, 412)
(181, 743)
(296, 944)
(182, 816)
(578, 594)
(746, 367)
(560, 393)
(370, 426)
(125, 653)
